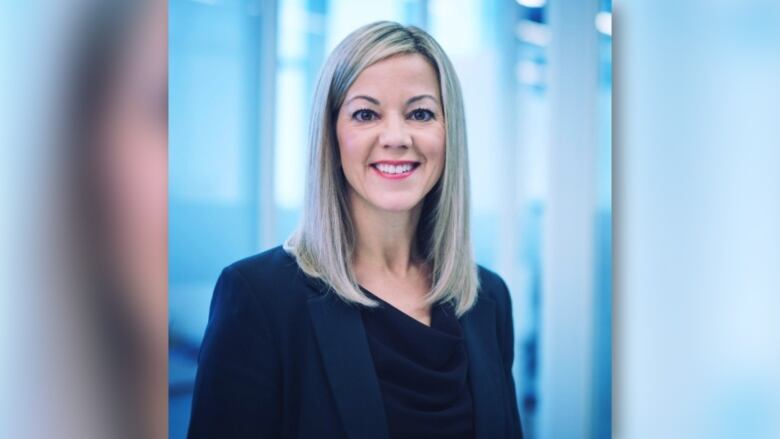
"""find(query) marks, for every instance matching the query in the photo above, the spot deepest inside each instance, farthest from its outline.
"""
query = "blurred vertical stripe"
(697, 224)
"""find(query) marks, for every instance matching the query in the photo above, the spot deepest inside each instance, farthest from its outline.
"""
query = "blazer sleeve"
(237, 387)
(507, 346)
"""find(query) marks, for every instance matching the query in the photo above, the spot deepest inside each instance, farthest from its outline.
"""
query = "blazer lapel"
(479, 329)
(349, 366)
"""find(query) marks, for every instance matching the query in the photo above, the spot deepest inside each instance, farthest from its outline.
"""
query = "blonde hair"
(324, 242)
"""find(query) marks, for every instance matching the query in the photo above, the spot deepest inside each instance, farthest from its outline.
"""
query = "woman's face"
(391, 134)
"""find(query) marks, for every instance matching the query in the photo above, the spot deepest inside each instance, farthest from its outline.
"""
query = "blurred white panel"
(292, 29)
(483, 120)
(603, 22)
(535, 132)
(533, 33)
(532, 3)
(698, 191)
(567, 344)
(292, 134)
(457, 25)
(347, 15)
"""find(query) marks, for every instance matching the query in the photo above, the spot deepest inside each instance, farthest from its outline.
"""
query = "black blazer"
(282, 357)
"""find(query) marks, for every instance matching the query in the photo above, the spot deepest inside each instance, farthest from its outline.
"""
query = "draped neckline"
(422, 370)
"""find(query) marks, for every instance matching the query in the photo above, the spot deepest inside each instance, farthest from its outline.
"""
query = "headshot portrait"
(359, 246)
(359, 310)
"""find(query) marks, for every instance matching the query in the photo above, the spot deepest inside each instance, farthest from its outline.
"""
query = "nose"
(395, 133)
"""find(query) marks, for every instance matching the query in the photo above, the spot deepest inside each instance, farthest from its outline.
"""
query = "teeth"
(391, 169)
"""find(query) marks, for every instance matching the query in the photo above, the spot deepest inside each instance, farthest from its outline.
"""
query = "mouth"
(395, 170)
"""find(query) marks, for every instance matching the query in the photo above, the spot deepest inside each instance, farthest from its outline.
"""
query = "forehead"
(399, 74)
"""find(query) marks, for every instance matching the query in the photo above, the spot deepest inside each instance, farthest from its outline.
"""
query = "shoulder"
(271, 280)
(492, 286)
(270, 266)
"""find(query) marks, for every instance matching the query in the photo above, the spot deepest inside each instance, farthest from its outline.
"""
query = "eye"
(422, 115)
(364, 115)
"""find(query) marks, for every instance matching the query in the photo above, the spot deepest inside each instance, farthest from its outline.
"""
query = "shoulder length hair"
(324, 242)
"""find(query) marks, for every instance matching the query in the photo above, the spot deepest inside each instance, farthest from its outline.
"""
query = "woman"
(373, 321)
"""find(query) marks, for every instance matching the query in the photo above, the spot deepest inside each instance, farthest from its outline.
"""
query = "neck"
(385, 241)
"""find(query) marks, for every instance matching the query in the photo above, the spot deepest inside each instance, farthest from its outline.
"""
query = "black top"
(422, 371)
(284, 357)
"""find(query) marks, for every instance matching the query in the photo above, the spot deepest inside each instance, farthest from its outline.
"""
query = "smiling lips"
(395, 169)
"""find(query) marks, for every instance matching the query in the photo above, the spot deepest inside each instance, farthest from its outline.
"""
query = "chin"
(396, 203)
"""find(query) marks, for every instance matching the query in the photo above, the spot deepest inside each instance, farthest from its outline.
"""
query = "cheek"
(352, 152)
(346, 148)
(349, 149)
(434, 149)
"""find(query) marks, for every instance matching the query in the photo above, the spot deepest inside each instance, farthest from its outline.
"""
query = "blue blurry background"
(537, 82)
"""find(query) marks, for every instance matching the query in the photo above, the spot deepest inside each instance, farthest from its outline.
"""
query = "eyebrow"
(368, 98)
(418, 98)
(376, 101)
